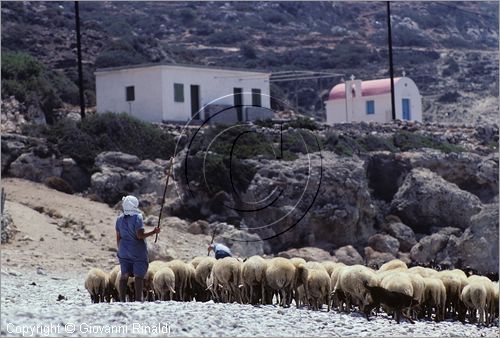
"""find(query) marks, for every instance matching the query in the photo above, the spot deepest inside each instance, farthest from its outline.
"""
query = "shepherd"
(132, 249)
(220, 250)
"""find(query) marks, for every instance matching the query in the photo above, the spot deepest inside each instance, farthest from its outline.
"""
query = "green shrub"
(304, 123)
(340, 144)
(374, 143)
(406, 140)
(24, 77)
(217, 173)
(84, 140)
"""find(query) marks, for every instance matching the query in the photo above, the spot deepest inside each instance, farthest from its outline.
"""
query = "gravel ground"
(26, 307)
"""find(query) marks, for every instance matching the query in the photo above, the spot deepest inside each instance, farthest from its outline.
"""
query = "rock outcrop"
(309, 254)
(477, 247)
(8, 229)
(426, 199)
(340, 213)
(403, 233)
(121, 174)
(348, 255)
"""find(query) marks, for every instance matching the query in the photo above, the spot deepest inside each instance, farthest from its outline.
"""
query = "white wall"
(154, 90)
(406, 88)
(216, 87)
(356, 106)
(111, 96)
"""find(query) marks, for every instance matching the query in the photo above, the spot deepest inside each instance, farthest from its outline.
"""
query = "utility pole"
(79, 53)
(391, 66)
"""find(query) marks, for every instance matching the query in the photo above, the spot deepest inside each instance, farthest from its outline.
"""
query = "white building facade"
(370, 101)
(179, 93)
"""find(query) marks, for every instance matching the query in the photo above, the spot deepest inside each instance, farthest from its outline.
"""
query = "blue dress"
(132, 252)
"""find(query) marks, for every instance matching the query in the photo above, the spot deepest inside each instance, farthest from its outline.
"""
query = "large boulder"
(469, 171)
(14, 145)
(403, 233)
(121, 174)
(318, 203)
(348, 255)
(384, 243)
(427, 200)
(309, 254)
(32, 167)
(160, 250)
(375, 259)
(241, 242)
(77, 177)
(477, 248)
(425, 252)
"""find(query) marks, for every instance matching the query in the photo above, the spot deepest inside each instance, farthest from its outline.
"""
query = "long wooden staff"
(212, 241)
(165, 193)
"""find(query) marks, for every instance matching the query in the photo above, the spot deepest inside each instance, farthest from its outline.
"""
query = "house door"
(406, 109)
(238, 102)
(195, 101)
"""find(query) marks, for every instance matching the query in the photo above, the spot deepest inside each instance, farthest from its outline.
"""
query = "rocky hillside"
(357, 193)
(450, 49)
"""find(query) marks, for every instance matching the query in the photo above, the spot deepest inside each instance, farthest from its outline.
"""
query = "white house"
(371, 101)
(177, 93)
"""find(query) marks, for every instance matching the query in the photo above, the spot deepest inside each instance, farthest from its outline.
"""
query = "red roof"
(368, 88)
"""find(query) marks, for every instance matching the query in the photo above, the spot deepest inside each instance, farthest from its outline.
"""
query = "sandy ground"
(61, 236)
(58, 231)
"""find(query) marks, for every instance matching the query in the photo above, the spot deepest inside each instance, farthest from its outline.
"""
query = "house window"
(178, 92)
(256, 98)
(370, 107)
(130, 93)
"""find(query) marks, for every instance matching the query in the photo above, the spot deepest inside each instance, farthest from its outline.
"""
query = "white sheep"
(434, 297)
(392, 265)
(454, 284)
(253, 275)
(112, 283)
(181, 272)
(329, 266)
(318, 288)
(280, 277)
(352, 281)
(474, 297)
(225, 279)
(164, 283)
(97, 284)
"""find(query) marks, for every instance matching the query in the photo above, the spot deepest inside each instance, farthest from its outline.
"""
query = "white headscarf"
(130, 205)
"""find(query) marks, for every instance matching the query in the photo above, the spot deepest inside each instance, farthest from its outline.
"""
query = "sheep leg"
(263, 292)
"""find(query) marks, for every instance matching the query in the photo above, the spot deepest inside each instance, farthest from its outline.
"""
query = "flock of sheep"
(410, 293)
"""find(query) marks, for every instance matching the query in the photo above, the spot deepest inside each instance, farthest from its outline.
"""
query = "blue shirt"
(221, 248)
(130, 246)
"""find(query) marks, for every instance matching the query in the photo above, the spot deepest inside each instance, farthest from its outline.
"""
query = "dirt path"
(58, 231)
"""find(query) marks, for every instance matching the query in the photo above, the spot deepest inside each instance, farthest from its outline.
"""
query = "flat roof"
(182, 65)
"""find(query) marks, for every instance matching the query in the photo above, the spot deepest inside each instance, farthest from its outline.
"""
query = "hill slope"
(450, 49)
